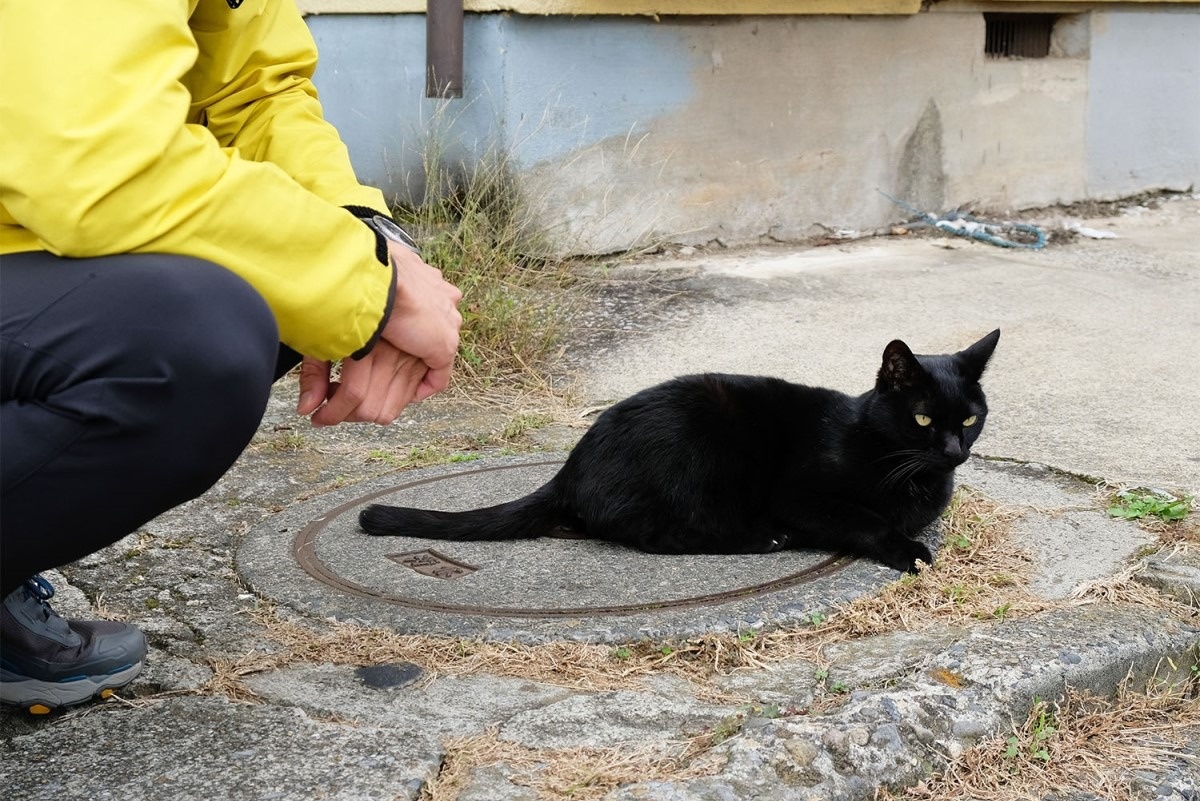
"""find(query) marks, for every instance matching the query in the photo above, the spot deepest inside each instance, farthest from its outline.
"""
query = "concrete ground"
(1095, 379)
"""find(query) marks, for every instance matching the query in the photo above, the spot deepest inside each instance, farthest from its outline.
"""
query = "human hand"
(373, 389)
(425, 320)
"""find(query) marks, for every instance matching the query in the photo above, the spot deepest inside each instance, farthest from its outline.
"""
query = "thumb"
(314, 385)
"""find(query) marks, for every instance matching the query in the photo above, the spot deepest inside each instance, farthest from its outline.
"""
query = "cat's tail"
(534, 515)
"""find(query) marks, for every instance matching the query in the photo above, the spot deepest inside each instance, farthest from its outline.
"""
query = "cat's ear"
(900, 368)
(975, 358)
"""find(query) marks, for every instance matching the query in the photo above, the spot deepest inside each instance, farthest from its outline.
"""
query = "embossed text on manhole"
(429, 562)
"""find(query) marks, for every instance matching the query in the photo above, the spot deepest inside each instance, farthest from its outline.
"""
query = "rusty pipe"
(444, 48)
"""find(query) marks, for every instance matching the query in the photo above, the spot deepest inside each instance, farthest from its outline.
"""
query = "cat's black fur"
(743, 464)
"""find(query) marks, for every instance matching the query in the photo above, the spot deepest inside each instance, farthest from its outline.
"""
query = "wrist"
(392, 232)
(385, 229)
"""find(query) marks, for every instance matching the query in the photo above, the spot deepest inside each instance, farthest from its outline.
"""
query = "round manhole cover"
(315, 558)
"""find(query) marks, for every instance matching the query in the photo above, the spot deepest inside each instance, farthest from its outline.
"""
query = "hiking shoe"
(47, 662)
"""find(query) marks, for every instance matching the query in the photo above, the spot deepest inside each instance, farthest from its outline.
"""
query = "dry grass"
(475, 225)
(576, 773)
(979, 574)
(1184, 532)
(1124, 588)
(1081, 743)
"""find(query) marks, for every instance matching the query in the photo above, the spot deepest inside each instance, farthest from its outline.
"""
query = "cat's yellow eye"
(923, 419)
(970, 421)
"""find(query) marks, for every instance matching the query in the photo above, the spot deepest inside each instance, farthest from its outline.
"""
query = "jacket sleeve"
(253, 86)
(103, 151)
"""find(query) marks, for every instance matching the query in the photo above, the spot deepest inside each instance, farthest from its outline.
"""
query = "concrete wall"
(743, 129)
(1143, 121)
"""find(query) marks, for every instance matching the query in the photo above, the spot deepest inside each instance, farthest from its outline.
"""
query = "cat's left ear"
(900, 367)
(975, 358)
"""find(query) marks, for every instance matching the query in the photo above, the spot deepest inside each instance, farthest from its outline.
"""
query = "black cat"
(743, 464)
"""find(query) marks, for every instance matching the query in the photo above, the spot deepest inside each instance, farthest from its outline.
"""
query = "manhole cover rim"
(304, 552)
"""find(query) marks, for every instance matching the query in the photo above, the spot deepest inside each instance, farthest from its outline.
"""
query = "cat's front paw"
(905, 554)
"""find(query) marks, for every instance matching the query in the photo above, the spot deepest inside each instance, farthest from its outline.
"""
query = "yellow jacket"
(188, 127)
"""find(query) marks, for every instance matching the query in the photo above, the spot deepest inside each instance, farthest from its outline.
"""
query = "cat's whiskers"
(902, 453)
(913, 463)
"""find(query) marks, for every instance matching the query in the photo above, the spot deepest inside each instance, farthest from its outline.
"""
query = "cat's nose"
(952, 449)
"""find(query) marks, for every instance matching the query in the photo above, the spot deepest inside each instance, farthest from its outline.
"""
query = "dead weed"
(1083, 743)
(576, 773)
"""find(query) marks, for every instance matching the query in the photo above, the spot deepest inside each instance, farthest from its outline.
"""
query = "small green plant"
(1041, 728)
(285, 441)
(747, 635)
(815, 618)
(420, 457)
(622, 652)
(523, 423)
(728, 727)
(837, 687)
(666, 650)
(960, 541)
(1001, 611)
(770, 711)
(380, 455)
(1138, 504)
(959, 593)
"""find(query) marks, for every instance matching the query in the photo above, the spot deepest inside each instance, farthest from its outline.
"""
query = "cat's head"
(934, 404)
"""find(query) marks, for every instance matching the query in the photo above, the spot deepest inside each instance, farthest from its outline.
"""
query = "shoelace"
(41, 590)
(39, 587)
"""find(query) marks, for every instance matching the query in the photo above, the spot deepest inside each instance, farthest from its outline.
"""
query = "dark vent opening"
(1018, 35)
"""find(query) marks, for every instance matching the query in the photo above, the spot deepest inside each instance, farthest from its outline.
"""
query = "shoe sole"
(42, 697)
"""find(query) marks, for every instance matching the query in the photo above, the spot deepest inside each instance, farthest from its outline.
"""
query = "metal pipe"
(444, 48)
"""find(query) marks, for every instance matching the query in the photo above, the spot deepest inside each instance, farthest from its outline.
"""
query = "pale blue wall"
(541, 86)
(804, 116)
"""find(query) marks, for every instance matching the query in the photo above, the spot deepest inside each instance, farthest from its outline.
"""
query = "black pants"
(128, 385)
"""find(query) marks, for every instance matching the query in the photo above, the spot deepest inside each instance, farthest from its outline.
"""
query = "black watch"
(392, 232)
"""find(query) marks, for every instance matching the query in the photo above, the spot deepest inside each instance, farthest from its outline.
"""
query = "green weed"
(815, 618)
(522, 424)
(1035, 744)
(1141, 503)
(426, 456)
